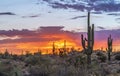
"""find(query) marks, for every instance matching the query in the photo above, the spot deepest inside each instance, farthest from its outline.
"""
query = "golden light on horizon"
(46, 46)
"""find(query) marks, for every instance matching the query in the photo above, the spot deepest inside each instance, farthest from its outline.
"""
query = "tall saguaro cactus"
(109, 42)
(88, 43)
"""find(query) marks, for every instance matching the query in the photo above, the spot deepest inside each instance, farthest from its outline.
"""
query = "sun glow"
(60, 41)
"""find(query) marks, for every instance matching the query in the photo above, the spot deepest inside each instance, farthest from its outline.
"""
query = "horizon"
(36, 24)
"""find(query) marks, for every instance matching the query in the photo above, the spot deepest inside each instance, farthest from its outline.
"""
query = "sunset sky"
(36, 24)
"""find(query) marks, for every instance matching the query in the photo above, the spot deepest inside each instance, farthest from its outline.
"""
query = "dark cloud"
(48, 33)
(100, 27)
(32, 33)
(114, 14)
(53, 33)
(81, 5)
(31, 16)
(14, 32)
(27, 40)
(49, 12)
(67, 6)
(77, 17)
(96, 12)
(7, 13)
(51, 29)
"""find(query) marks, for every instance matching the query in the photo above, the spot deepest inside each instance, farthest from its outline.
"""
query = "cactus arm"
(83, 42)
(109, 42)
(88, 19)
(92, 34)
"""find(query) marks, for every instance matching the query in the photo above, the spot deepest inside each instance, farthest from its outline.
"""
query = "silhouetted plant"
(6, 68)
(53, 48)
(102, 58)
(28, 54)
(6, 54)
(109, 49)
(32, 60)
(62, 53)
(90, 41)
(38, 53)
(64, 49)
(117, 56)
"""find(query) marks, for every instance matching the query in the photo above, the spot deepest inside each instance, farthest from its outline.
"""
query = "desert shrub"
(14, 57)
(101, 57)
(32, 60)
(62, 54)
(65, 70)
(99, 53)
(77, 60)
(7, 69)
(117, 57)
(39, 70)
(6, 55)
(37, 60)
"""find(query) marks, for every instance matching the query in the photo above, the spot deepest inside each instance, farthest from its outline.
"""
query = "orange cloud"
(42, 39)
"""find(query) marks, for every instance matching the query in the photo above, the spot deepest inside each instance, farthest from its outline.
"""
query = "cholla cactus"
(109, 50)
(89, 41)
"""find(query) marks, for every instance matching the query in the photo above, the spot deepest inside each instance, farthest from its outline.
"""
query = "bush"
(32, 60)
(39, 71)
(117, 57)
(7, 69)
(101, 57)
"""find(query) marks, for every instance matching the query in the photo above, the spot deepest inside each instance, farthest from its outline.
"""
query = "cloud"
(77, 17)
(67, 6)
(103, 34)
(49, 12)
(7, 13)
(27, 40)
(117, 20)
(15, 32)
(31, 16)
(82, 5)
(96, 12)
(114, 14)
(48, 33)
(100, 27)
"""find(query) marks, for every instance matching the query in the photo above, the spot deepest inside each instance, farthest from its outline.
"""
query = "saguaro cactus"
(88, 43)
(53, 48)
(109, 50)
(64, 46)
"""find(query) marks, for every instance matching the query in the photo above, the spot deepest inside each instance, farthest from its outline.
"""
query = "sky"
(36, 24)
